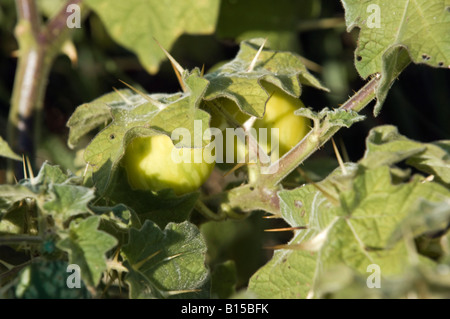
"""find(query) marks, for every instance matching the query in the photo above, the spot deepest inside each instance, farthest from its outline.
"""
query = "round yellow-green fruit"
(150, 165)
(279, 114)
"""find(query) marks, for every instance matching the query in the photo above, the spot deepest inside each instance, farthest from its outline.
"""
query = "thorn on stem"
(25, 175)
(176, 66)
(285, 246)
(271, 217)
(285, 229)
(145, 96)
(255, 59)
(123, 97)
(178, 292)
(142, 262)
(27, 169)
(324, 192)
(202, 72)
(339, 158)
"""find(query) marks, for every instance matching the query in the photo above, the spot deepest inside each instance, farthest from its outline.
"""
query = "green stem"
(38, 47)
(15, 269)
(255, 197)
(316, 138)
(20, 239)
(263, 195)
(207, 213)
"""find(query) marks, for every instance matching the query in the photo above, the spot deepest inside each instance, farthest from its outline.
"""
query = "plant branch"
(27, 11)
(57, 29)
(263, 194)
(207, 213)
(20, 239)
(38, 47)
(317, 138)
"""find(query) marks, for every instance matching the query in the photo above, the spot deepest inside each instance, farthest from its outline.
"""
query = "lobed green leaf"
(87, 246)
(164, 264)
(388, 40)
(354, 219)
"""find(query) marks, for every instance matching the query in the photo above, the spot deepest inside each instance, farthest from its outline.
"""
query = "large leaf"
(136, 23)
(354, 232)
(167, 263)
(395, 32)
(357, 219)
(91, 115)
(429, 218)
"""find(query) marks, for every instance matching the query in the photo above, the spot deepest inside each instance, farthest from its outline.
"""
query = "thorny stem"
(316, 139)
(38, 46)
(263, 195)
(20, 239)
(207, 213)
(16, 269)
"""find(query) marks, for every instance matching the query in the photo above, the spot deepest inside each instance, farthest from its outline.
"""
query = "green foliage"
(86, 247)
(159, 114)
(237, 82)
(54, 193)
(331, 118)
(161, 207)
(47, 280)
(390, 209)
(135, 24)
(431, 22)
(388, 41)
(224, 280)
(167, 263)
(351, 219)
(91, 115)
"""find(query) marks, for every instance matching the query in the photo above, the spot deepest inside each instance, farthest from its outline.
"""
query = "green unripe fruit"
(279, 114)
(150, 165)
